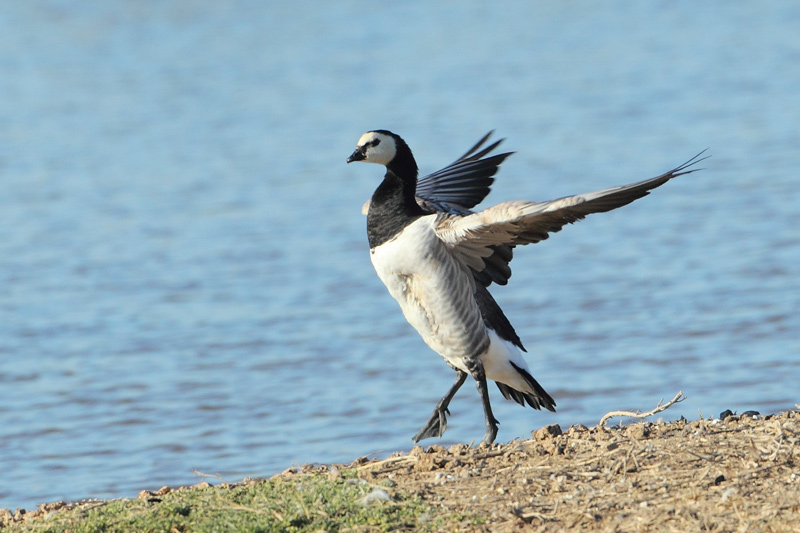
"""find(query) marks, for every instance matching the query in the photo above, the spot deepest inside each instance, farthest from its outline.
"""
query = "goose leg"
(437, 423)
(475, 368)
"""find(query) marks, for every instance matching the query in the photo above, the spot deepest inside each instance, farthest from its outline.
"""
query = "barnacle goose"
(437, 258)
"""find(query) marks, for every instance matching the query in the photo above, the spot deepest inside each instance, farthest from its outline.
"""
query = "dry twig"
(678, 398)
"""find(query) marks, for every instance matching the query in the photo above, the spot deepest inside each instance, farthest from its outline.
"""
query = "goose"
(437, 259)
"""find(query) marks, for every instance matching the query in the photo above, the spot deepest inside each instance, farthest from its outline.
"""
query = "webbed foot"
(435, 425)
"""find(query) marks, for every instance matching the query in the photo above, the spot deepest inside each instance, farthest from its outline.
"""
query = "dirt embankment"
(737, 474)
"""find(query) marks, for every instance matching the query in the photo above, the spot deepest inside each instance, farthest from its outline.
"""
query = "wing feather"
(465, 182)
(475, 237)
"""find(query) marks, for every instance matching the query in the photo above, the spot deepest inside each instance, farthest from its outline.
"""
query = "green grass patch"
(299, 503)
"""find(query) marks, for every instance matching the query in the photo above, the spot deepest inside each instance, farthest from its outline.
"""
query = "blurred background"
(184, 275)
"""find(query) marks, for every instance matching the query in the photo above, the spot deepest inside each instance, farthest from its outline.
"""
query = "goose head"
(386, 148)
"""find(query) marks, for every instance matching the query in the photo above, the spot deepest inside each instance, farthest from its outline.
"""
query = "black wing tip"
(471, 153)
(476, 147)
(680, 170)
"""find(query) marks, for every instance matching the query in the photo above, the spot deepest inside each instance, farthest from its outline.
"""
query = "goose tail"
(537, 399)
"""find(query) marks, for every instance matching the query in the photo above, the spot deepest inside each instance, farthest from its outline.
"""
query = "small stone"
(540, 450)
(547, 432)
(638, 431)
(727, 494)
(377, 495)
(417, 451)
(577, 428)
(458, 449)
(5, 517)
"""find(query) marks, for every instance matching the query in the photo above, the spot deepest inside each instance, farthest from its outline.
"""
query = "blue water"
(184, 277)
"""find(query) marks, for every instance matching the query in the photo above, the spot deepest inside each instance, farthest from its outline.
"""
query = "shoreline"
(740, 473)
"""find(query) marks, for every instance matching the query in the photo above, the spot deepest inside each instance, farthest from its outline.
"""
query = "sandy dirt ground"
(737, 474)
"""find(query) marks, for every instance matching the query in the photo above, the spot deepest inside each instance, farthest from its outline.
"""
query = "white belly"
(436, 295)
(434, 291)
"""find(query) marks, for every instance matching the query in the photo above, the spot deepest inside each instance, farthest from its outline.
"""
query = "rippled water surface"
(184, 278)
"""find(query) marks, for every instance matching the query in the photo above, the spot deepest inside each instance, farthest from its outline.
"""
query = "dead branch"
(678, 398)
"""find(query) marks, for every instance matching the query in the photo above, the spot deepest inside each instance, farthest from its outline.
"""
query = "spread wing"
(474, 238)
(461, 185)
(464, 183)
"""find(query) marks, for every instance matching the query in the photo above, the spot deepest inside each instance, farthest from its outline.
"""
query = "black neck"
(393, 205)
(404, 165)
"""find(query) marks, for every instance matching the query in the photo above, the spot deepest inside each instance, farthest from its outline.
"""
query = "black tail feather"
(539, 399)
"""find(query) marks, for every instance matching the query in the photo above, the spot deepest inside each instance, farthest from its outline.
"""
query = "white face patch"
(380, 148)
